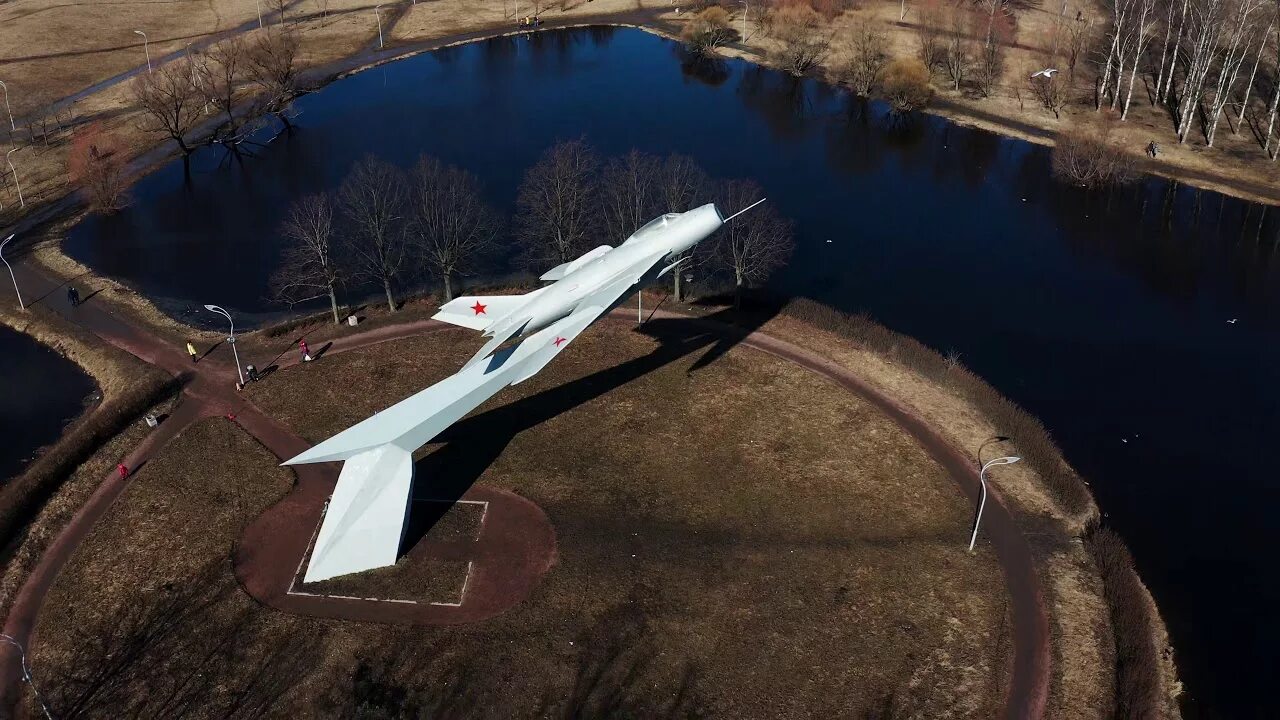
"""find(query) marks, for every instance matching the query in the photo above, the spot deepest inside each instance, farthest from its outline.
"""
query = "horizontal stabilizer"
(480, 311)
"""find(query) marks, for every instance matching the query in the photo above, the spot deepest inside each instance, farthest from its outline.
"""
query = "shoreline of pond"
(152, 311)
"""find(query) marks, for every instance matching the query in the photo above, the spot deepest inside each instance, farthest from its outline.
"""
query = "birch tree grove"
(1141, 32)
(1275, 93)
(1204, 21)
(1240, 31)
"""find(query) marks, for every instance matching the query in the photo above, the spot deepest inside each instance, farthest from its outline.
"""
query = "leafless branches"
(453, 229)
(310, 267)
(220, 79)
(169, 102)
(628, 194)
(929, 33)
(96, 164)
(804, 37)
(707, 31)
(1084, 155)
(273, 66)
(755, 244)
(557, 202)
(1051, 91)
(682, 186)
(372, 202)
(868, 58)
(905, 84)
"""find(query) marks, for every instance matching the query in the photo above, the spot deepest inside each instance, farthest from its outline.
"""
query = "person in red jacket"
(123, 470)
(306, 352)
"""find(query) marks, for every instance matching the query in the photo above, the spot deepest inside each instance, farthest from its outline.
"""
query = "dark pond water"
(40, 392)
(1106, 316)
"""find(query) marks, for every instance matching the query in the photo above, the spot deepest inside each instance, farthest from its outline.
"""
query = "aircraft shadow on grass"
(474, 443)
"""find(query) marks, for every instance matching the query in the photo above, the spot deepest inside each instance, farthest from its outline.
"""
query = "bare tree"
(682, 186)
(220, 79)
(707, 31)
(1240, 31)
(929, 33)
(905, 84)
(805, 40)
(1263, 39)
(755, 244)
(1275, 95)
(95, 163)
(1167, 49)
(453, 228)
(278, 7)
(1084, 155)
(273, 66)
(868, 58)
(958, 49)
(991, 55)
(169, 103)
(372, 201)
(1079, 37)
(310, 267)
(628, 194)
(1051, 91)
(556, 204)
(1143, 28)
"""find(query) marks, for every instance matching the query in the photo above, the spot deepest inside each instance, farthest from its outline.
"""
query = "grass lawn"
(736, 538)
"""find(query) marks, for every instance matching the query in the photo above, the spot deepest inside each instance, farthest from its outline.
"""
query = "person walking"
(306, 352)
(191, 350)
(123, 470)
(73, 296)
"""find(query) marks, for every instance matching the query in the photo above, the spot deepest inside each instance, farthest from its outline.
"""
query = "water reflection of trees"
(708, 70)
(782, 101)
(1178, 241)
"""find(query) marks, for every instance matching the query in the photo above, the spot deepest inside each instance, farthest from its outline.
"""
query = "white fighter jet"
(364, 524)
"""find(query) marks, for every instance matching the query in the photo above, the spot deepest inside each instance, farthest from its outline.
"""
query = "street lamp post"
(11, 275)
(231, 339)
(378, 15)
(982, 479)
(12, 125)
(146, 47)
(26, 672)
(12, 169)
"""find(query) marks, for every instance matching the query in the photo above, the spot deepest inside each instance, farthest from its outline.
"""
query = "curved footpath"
(208, 391)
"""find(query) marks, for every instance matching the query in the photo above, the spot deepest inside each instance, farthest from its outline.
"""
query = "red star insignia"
(479, 308)
(560, 340)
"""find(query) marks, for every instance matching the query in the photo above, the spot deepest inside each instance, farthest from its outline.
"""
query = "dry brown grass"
(745, 540)
(37, 503)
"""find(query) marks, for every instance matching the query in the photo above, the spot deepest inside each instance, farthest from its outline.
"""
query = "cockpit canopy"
(652, 226)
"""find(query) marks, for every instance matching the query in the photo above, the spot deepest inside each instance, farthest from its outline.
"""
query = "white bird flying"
(1045, 73)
